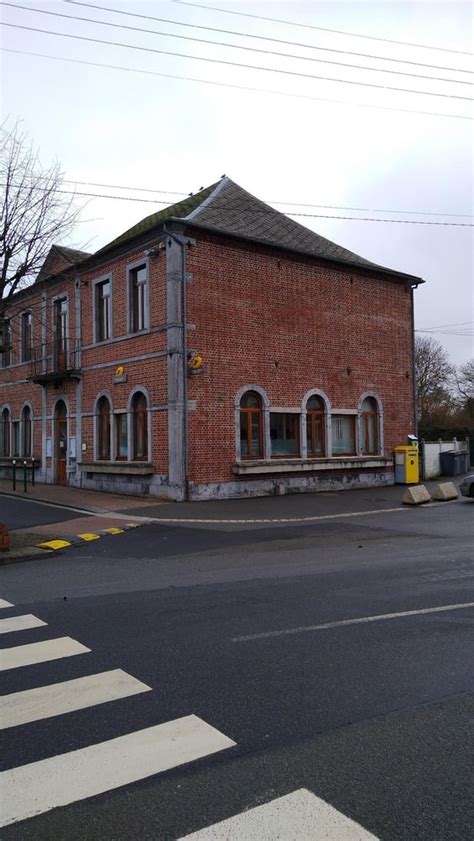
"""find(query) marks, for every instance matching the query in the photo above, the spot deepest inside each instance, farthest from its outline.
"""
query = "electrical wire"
(247, 88)
(236, 207)
(292, 203)
(320, 28)
(292, 73)
(261, 38)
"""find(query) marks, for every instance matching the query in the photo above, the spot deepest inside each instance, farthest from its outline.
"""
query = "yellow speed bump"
(114, 531)
(89, 536)
(54, 544)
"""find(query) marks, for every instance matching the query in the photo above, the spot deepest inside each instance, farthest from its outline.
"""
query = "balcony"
(55, 362)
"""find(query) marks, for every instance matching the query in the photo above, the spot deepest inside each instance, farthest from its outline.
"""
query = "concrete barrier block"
(444, 491)
(417, 495)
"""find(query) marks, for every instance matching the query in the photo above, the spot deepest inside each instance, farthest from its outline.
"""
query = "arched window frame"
(26, 420)
(265, 426)
(6, 432)
(361, 425)
(144, 420)
(100, 453)
(316, 392)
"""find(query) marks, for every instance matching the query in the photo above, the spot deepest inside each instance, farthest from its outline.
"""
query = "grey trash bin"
(453, 463)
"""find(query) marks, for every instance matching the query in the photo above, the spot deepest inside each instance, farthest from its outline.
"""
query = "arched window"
(251, 427)
(140, 427)
(26, 432)
(103, 428)
(369, 427)
(315, 422)
(5, 434)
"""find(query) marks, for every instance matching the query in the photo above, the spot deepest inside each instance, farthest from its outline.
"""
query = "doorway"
(60, 421)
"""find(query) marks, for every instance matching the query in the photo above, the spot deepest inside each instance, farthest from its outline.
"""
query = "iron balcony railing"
(55, 360)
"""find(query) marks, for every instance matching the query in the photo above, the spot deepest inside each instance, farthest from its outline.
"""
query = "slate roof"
(227, 208)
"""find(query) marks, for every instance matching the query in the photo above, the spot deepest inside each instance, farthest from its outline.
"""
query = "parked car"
(467, 485)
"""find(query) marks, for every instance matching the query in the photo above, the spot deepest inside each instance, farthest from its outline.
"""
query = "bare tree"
(35, 213)
(434, 379)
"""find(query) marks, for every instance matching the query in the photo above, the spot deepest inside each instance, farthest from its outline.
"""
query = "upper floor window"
(315, 441)
(26, 336)
(138, 280)
(284, 433)
(5, 434)
(26, 432)
(251, 426)
(60, 322)
(6, 344)
(343, 435)
(369, 427)
(103, 428)
(103, 311)
(140, 427)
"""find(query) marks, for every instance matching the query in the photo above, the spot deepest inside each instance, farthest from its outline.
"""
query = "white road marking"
(359, 621)
(20, 623)
(299, 816)
(309, 519)
(4, 603)
(59, 698)
(40, 786)
(40, 652)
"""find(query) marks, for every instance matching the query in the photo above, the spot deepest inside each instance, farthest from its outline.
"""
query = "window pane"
(255, 419)
(138, 281)
(16, 438)
(244, 449)
(5, 434)
(26, 432)
(122, 437)
(370, 438)
(314, 433)
(369, 405)
(250, 400)
(343, 438)
(284, 434)
(315, 403)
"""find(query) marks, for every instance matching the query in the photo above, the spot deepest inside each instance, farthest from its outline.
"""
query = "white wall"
(432, 449)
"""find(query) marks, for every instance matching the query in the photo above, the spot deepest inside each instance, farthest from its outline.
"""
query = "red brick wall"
(289, 324)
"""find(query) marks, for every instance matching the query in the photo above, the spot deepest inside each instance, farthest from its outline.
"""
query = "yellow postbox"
(407, 465)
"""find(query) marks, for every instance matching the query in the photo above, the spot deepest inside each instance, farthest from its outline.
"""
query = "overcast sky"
(132, 129)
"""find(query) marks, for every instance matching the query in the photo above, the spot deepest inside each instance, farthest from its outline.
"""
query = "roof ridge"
(218, 187)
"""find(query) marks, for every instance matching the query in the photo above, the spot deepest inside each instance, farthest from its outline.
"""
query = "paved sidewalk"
(93, 501)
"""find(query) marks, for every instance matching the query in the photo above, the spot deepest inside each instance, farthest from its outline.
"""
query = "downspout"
(415, 395)
(184, 351)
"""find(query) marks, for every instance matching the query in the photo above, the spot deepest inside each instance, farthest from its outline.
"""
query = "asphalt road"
(20, 513)
(374, 717)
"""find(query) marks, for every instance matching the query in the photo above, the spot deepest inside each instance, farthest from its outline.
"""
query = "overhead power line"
(321, 28)
(292, 203)
(293, 73)
(265, 38)
(238, 206)
(237, 46)
(231, 86)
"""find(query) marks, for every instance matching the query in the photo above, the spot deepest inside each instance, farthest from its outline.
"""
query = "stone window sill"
(129, 468)
(310, 465)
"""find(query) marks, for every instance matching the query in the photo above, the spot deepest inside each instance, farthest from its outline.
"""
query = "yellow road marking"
(54, 544)
(114, 531)
(89, 536)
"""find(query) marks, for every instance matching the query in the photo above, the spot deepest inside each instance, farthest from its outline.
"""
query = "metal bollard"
(33, 472)
(25, 477)
(14, 474)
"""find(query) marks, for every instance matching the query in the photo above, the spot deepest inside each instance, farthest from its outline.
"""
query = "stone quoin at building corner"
(215, 349)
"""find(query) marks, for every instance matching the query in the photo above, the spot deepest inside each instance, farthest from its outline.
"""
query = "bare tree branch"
(35, 214)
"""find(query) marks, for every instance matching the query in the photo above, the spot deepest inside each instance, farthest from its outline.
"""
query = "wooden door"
(61, 443)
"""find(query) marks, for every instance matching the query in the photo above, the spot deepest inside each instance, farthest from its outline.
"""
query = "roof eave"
(402, 276)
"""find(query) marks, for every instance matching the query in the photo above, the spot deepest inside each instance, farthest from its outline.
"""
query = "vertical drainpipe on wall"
(415, 413)
(79, 387)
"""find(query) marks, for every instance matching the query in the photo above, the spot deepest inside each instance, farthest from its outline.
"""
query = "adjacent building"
(215, 349)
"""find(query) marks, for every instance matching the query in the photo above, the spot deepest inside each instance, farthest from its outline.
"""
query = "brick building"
(217, 348)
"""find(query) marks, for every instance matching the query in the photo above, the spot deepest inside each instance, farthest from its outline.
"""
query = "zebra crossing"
(38, 787)
(60, 780)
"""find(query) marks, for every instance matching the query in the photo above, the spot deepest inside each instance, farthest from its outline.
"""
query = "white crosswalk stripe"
(299, 816)
(40, 786)
(4, 603)
(20, 623)
(67, 696)
(40, 652)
